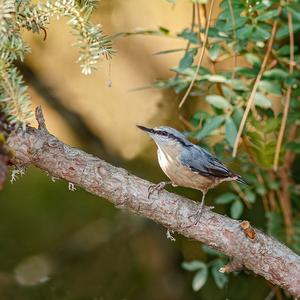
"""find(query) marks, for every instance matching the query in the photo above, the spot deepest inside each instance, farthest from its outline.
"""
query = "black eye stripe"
(173, 137)
(164, 133)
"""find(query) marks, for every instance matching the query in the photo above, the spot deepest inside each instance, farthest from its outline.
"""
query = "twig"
(192, 29)
(200, 56)
(278, 293)
(233, 266)
(241, 194)
(198, 16)
(234, 37)
(192, 25)
(290, 155)
(255, 86)
(285, 199)
(225, 57)
(40, 119)
(285, 61)
(187, 123)
(198, 21)
(287, 98)
(271, 294)
(285, 202)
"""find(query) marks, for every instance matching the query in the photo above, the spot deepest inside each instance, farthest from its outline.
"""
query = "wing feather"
(201, 161)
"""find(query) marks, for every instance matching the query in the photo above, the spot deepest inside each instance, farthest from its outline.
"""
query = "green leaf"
(193, 265)
(230, 131)
(198, 117)
(271, 87)
(220, 278)
(276, 74)
(283, 32)
(180, 87)
(214, 51)
(187, 60)
(239, 22)
(261, 190)
(164, 30)
(272, 125)
(200, 279)
(293, 146)
(273, 185)
(189, 35)
(209, 126)
(292, 81)
(218, 101)
(251, 197)
(294, 8)
(216, 78)
(211, 251)
(275, 225)
(228, 93)
(260, 34)
(247, 72)
(238, 85)
(236, 209)
(237, 115)
(225, 198)
(253, 59)
(262, 101)
(271, 14)
(244, 33)
(285, 50)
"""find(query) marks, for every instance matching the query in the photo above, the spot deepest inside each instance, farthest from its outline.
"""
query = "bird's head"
(165, 136)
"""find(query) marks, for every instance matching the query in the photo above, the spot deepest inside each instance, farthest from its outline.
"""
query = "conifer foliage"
(18, 15)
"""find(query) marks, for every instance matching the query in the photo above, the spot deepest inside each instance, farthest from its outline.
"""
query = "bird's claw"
(156, 187)
(201, 207)
(197, 216)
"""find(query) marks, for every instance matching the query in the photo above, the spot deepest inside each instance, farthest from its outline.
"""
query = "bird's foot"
(157, 187)
(197, 216)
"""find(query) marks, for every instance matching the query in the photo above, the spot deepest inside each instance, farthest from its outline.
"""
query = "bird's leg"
(200, 208)
(198, 213)
(157, 187)
(202, 203)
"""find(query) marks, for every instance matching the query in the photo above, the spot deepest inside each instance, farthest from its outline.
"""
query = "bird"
(186, 164)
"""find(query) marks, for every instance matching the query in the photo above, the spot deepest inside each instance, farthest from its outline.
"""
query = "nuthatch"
(186, 164)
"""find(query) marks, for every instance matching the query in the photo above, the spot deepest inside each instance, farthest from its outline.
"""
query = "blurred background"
(58, 244)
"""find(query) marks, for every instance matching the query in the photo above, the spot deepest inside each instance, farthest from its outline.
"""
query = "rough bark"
(262, 254)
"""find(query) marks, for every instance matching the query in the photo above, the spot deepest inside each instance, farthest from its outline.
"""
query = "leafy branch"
(93, 44)
(252, 64)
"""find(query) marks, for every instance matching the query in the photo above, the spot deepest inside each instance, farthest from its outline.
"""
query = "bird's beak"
(148, 130)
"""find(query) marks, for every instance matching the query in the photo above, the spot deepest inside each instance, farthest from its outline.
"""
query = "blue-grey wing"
(202, 162)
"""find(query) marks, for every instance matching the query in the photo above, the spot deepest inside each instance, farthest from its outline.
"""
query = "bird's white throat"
(163, 159)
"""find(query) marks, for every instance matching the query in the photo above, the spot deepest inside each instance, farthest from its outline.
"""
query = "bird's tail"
(241, 180)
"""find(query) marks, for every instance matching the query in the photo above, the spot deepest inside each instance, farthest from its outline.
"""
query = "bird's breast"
(180, 174)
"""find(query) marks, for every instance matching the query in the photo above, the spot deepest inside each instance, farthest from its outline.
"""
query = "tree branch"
(263, 255)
